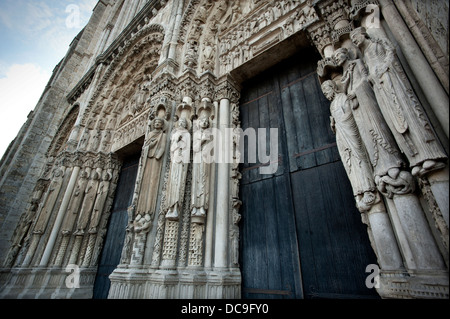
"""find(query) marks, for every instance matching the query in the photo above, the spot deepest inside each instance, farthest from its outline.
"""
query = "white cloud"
(42, 24)
(40, 27)
(20, 91)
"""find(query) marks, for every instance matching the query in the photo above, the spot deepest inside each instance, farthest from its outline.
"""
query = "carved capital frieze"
(320, 35)
(163, 85)
(334, 12)
(187, 86)
(227, 89)
(263, 28)
(206, 86)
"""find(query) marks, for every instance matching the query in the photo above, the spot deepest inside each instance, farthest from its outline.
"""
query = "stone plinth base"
(46, 283)
(417, 285)
(186, 283)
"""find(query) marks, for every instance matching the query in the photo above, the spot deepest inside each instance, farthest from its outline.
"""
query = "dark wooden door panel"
(334, 245)
(259, 109)
(306, 117)
(270, 252)
(115, 235)
(301, 234)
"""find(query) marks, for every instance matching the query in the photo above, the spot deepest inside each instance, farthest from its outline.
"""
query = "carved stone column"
(223, 180)
(45, 210)
(209, 232)
(385, 245)
(59, 217)
(430, 84)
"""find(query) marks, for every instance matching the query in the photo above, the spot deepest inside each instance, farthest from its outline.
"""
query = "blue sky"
(34, 37)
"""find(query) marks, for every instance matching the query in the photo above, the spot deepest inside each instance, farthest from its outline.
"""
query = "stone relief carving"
(394, 132)
(350, 146)
(399, 105)
(75, 202)
(180, 147)
(100, 201)
(154, 148)
(22, 234)
(50, 200)
(201, 166)
(379, 143)
(143, 208)
(87, 206)
(241, 42)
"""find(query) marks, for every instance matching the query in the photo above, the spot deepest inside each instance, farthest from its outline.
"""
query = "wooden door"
(113, 242)
(301, 234)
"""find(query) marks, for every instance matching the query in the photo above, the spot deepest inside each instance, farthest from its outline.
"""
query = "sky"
(34, 37)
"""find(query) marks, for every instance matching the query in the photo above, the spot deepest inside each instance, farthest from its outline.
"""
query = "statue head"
(158, 123)
(340, 56)
(182, 123)
(203, 122)
(358, 36)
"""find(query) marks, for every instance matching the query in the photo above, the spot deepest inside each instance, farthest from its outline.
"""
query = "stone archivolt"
(135, 92)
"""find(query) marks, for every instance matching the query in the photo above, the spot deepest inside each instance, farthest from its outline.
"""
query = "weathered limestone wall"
(24, 162)
(434, 14)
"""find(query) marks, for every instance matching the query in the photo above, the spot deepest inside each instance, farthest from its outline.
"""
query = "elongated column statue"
(75, 202)
(155, 146)
(140, 215)
(102, 195)
(399, 104)
(200, 170)
(72, 213)
(45, 211)
(180, 156)
(381, 147)
(88, 202)
(350, 146)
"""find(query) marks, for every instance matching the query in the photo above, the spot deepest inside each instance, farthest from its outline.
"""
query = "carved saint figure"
(90, 194)
(50, 201)
(106, 141)
(378, 140)
(350, 146)
(154, 147)
(200, 169)
(100, 200)
(208, 56)
(20, 234)
(95, 143)
(399, 104)
(75, 202)
(84, 140)
(180, 145)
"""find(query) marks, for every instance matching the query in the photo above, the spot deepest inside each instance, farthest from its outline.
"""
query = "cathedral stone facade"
(109, 190)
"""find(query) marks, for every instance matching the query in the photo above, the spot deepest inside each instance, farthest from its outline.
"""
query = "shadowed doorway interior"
(113, 242)
(301, 234)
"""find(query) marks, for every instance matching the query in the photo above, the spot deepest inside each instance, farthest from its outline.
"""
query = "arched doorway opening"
(116, 229)
(301, 234)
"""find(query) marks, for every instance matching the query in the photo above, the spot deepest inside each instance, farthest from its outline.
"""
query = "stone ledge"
(175, 284)
(418, 285)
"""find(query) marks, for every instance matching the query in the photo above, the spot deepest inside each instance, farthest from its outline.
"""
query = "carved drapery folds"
(201, 170)
(84, 221)
(384, 139)
(398, 103)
